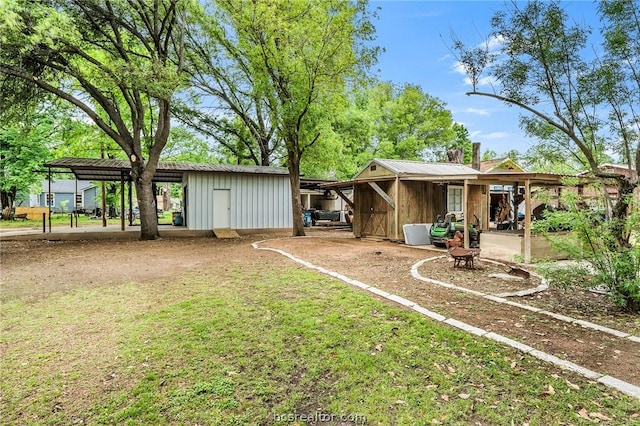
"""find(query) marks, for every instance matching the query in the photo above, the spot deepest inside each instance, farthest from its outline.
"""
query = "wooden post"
(465, 213)
(48, 198)
(527, 221)
(121, 200)
(130, 199)
(396, 211)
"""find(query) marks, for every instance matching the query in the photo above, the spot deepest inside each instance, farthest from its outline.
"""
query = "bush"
(606, 250)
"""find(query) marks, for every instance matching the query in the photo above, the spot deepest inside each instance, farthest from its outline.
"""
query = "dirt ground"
(33, 270)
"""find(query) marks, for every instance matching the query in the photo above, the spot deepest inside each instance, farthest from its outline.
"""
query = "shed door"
(374, 214)
(222, 208)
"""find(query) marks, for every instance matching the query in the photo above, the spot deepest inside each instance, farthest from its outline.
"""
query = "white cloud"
(475, 133)
(494, 43)
(484, 81)
(457, 67)
(497, 135)
(477, 111)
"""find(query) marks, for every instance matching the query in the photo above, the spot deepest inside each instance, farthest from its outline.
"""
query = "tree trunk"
(148, 212)
(146, 202)
(296, 203)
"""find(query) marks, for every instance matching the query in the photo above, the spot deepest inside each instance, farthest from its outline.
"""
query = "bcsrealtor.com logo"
(318, 417)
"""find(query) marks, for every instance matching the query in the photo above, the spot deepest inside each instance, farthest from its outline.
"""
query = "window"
(50, 199)
(454, 199)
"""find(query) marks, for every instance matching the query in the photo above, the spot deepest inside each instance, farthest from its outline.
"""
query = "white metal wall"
(257, 201)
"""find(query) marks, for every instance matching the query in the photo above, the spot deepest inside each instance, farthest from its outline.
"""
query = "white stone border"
(500, 298)
(620, 385)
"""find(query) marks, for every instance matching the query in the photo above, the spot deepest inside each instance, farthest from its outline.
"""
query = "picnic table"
(460, 254)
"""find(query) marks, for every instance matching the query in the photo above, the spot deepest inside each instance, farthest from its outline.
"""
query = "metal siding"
(257, 201)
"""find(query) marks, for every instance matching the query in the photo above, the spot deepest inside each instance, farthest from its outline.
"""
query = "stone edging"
(620, 385)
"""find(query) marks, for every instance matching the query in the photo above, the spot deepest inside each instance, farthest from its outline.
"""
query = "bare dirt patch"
(35, 269)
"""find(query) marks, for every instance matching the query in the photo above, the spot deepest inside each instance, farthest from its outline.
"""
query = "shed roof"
(97, 169)
(407, 167)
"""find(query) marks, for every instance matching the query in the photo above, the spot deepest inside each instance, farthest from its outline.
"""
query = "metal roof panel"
(422, 168)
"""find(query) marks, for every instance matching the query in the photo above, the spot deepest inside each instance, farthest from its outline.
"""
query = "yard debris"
(572, 385)
(550, 391)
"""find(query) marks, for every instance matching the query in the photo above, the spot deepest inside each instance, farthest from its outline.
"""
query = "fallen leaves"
(550, 391)
(583, 413)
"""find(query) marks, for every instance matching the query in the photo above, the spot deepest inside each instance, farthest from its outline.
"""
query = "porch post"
(121, 200)
(527, 221)
(49, 199)
(396, 211)
(465, 211)
(130, 199)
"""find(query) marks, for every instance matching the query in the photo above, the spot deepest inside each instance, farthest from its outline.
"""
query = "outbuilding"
(215, 196)
(388, 194)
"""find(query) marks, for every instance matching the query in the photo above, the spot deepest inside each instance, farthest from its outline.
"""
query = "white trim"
(450, 196)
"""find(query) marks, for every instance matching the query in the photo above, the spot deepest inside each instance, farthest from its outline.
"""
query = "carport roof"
(97, 169)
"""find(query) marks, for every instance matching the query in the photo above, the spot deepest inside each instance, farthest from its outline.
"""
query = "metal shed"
(245, 198)
(214, 195)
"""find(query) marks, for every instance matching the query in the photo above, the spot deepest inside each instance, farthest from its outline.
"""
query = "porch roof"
(509, 178)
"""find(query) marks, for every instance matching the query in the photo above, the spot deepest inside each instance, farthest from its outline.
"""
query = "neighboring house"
(592, 196)
(61, 195)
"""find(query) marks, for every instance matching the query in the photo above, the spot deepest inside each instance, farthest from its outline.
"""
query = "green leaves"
(23, 150)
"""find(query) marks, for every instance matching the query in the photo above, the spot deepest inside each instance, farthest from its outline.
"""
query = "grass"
(64, 220)
(250, 346)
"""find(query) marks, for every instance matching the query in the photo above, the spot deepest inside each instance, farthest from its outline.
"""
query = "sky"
(415, 36)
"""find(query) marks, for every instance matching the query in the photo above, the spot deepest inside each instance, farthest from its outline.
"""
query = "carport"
(108, 170)
(517, 180)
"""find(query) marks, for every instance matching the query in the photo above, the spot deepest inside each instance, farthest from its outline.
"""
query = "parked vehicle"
(445, 228)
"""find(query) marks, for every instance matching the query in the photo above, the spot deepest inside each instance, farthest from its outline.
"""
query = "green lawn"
(64, 220)
(250, 346)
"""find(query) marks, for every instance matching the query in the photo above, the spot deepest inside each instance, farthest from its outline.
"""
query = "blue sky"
(415, 36)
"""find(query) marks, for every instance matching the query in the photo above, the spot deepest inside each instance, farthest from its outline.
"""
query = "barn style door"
(373, 214)
(375, 224)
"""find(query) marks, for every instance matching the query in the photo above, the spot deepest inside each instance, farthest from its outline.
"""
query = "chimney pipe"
(475, 155)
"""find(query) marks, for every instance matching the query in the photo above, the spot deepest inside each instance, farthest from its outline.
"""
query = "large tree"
(298, 56)
(408, 122)
(385, 120)
(225, 105)
(579, 99)
(117, 61)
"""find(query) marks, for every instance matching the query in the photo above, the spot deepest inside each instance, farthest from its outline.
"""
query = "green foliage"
(23, 150)
(388, 121)
(117, 62)
(581, 108)
(595, 246)
(407, 121)
(184, 145)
